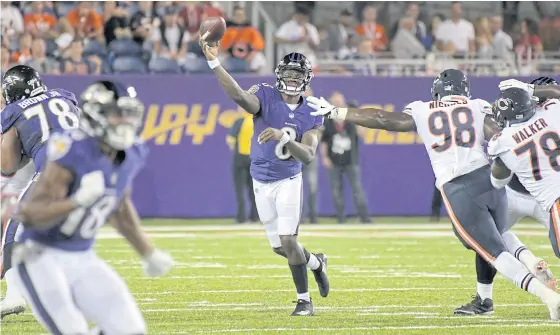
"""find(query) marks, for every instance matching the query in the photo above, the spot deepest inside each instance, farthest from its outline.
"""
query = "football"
(212, 29)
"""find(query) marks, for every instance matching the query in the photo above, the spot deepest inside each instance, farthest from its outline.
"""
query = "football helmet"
(543, 81)
(451, 82)
(514, 105)
(21, 82)
(293, 74)
(112, 112)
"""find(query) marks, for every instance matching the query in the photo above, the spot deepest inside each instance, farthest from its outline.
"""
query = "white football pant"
(279, 205)
(67, 289)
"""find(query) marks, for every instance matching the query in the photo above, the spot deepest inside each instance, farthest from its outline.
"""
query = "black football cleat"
(321, 276)
(476, 307)
(303, 308)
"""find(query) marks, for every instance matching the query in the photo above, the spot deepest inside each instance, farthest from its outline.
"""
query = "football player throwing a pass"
(286, 135)
(453, 128)
(86, 181)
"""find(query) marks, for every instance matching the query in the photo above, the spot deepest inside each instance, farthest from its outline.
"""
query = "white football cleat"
(542, 272)
(553, 304)
(10, 306)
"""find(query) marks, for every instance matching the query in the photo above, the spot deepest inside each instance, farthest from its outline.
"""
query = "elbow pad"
(500, 183)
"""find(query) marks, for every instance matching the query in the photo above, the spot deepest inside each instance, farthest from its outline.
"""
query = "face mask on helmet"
(117, 124)
(541, 81)
(292, 80)
(124, 125)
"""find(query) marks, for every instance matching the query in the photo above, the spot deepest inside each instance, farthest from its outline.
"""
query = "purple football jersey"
(36, 118)
(81, 154)
(272, 161)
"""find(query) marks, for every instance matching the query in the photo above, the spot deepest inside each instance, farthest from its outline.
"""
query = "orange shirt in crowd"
(88, 24)
(242, 35)
(21, 56)
(374, 32)
(43, 22)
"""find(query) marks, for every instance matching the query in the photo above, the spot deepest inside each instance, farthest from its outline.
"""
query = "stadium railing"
(384, 64)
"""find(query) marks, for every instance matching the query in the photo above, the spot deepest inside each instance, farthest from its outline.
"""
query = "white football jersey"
(531, 150)
(452, 130)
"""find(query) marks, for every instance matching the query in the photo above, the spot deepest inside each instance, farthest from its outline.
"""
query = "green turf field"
(398, 276)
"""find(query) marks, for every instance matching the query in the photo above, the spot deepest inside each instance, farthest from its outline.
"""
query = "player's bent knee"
(289, 243)
(279, 251)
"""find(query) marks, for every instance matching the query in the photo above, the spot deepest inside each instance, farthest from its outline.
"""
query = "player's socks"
(299, 274)
(11, 289)
(303, 296)
(537, 266)
(484, 290)
(485, 274)
(519, 250)
(516, 272)
(313, 263)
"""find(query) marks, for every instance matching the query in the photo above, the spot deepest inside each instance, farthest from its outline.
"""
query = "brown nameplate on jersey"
(529, 131)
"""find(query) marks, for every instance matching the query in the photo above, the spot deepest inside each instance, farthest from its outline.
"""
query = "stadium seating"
(128, 64)
(164, 65)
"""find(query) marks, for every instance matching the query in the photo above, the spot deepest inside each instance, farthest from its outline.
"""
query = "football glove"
(514, 83)
(92, 187)
(157, 263)
(324, 108)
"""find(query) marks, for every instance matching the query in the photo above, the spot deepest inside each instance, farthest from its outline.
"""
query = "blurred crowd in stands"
(162, 37)
(121, 37)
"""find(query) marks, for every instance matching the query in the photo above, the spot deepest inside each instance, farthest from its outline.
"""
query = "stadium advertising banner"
(189, 171)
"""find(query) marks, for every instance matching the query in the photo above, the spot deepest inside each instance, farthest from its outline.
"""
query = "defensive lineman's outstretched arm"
(366, 117)
(249, 102)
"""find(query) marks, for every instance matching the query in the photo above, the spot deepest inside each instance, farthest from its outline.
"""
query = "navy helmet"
(21, 82)
(515, 105)
(451, 82)
(293, 74)
(112, 112)
(543, 81)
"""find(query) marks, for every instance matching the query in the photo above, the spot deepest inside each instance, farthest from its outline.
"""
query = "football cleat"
(553, 304)
(11, 306)
(321, 276)
(476, 307)
(542, 272)
(303, 308)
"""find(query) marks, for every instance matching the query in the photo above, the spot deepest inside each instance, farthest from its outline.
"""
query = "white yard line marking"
(389, 275)
(378, 289)
(315, 330)
(321, 227)
(349, 235)
(194, 306)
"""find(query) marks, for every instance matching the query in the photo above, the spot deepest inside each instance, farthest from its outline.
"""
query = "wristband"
(214, 63)
(341, 113)
(284, 139)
